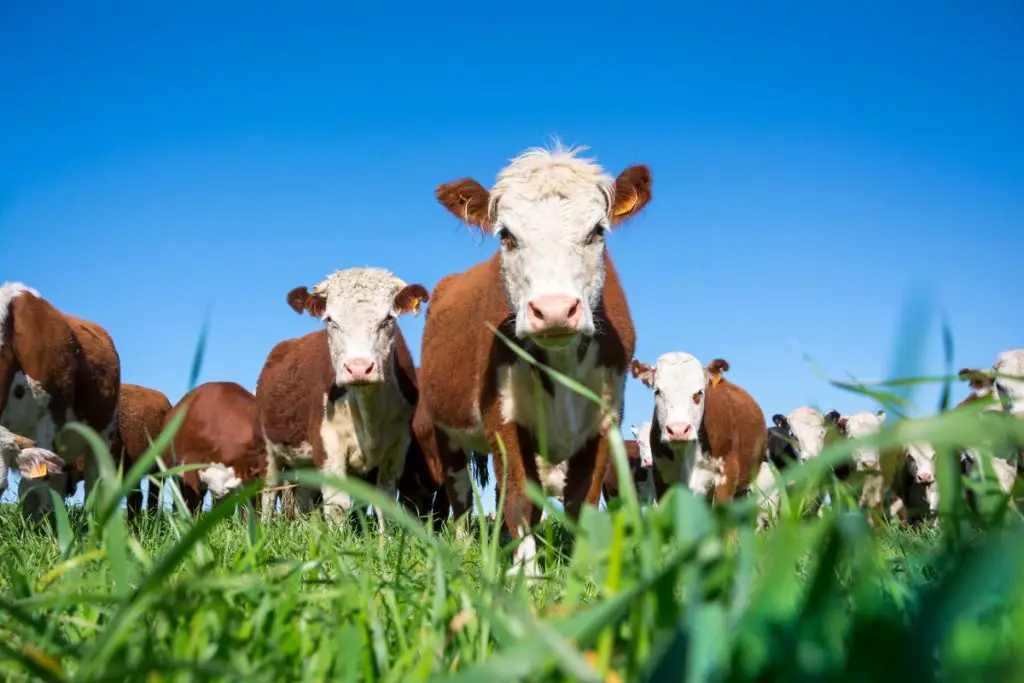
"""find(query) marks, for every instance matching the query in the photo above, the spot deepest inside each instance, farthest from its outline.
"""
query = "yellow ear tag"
(38, 470)
(715, 379)
(415, 307)
(626, 207)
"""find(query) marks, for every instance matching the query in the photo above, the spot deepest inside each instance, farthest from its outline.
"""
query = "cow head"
(782, 442)
(860, 425)
(807, 426)
(359, 307)
(679, 381)
(920, 466)
(1010, 388)
(551, 210)
(642, 434)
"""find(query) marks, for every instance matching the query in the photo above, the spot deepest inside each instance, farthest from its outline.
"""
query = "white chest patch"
(360, 432)
(693, 468)
(568, 419)
(219, 479)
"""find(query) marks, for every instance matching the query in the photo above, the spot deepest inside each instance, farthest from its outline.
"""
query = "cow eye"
(596, 235)
(697, 396)
(507, 240)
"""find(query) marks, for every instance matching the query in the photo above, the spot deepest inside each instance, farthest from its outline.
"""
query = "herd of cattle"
(348, 400)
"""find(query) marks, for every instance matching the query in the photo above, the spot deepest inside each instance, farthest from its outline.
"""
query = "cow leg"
(455, 472)
(269, 496)
(582, 484)
(726, 489)
(336, 503)
(387, 479)
(520, 452)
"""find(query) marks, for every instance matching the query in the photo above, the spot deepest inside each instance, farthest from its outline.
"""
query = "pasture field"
(680, 592)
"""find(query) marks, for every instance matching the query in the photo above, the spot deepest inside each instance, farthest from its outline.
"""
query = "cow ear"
(642, 372)
(632, 192)
(881, 415)
(409, 298)
(301, 300)
(780, 421)
(635, 431)
(468, 200)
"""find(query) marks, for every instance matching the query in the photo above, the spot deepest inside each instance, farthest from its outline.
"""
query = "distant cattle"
(915, 491)
(341, 399)
(641, 467)
(707, 433)
(55, 369)
(552, 290)
(782, 452)
(140, 419)
(217, 429)
(879, 468)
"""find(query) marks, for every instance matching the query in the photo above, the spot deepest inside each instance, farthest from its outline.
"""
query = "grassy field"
(684, 591)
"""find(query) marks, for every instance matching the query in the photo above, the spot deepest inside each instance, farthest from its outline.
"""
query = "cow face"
(920, 466)
(360, 308)
(679, 381)
(860, 425)
(551, 211)
(808, 428)
(642, 434)
(1010, 389)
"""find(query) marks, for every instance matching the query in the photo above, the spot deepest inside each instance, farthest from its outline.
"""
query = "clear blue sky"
(812, 164)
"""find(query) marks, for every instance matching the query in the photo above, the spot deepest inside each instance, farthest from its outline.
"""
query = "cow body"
(552, 290)
(706, 433)
(217, 429)
(342, 399)
(55, 369)
(140, 419)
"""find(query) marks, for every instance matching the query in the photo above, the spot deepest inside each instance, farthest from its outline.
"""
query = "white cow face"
(921, 467)
(808, 426)
(679, 381)
(859, 425)
(551, 211)
(360, 307)
(1010, 391)
(642, 434)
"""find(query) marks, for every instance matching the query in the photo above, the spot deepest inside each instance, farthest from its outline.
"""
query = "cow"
(707, 433)
(551, 290)
(638, 454)
(217, 429)
(880, 468)
(914, 490)
(342, 398)
(140, 419)
(55, 369)
(782, 452)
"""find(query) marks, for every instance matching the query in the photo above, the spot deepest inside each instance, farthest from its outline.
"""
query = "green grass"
(684, 591)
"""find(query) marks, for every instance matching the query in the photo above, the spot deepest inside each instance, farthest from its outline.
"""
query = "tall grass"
(683, 591)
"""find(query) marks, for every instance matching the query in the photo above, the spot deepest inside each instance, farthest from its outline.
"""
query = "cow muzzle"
(680, 432)
(554, 320)
(359, 372)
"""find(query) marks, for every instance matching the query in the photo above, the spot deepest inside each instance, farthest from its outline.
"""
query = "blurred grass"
(684, 591)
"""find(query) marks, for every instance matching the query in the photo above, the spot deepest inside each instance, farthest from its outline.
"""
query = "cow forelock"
(551, 212)
(1009, 389)
(679, 384)
(808, 426)
(361, 321)
(860, 425)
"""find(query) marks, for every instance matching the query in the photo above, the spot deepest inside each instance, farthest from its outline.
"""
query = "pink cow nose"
(554, 311)
(359, 369)
(679, 431)
(925, 477)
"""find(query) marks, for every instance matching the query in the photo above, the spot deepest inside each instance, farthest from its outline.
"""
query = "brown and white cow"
(641, 465)
(707, 433)
(552, 289)
(140, 419)
(217, 429)
(341, 399)
(55, 369)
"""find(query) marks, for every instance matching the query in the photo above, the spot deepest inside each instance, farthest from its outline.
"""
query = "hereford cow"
(915, 491)
(342, 398)
(217, 429)
(707, 433)
(638, 454)
(551, 288)
(55, 369)
(880, 468)
(140, 419)
(1004, 393)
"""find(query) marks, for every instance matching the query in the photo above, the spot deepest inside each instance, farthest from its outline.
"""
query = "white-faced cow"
(915, 491)
(55, 369)
(552, 289)
(878, 467)
(341, 399)
(707, 433)
(1001, 391)
(217, 430)
(641, 467)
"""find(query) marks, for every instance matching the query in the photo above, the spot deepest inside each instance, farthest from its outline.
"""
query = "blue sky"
(812, 166)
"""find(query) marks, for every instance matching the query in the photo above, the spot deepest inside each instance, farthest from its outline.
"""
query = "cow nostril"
(574, 309)
(535, 312)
